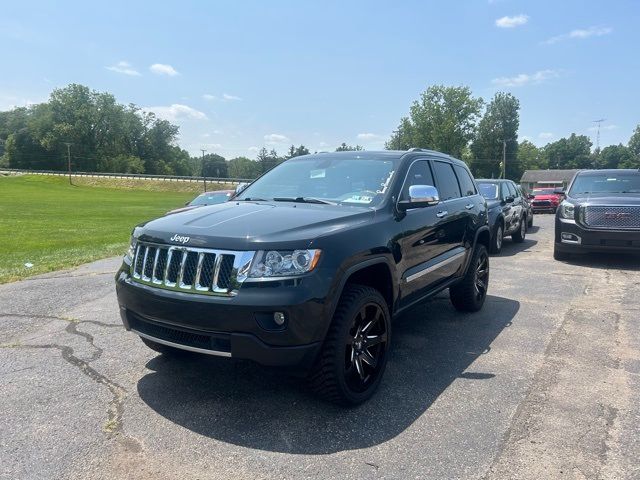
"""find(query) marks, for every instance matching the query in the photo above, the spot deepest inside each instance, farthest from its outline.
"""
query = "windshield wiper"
(250, 199)
(303, 200)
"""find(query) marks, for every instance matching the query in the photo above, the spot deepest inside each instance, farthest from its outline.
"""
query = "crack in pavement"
(113, 425)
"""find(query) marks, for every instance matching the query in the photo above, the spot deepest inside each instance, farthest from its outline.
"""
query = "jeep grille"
(188, 269)
(614, 218)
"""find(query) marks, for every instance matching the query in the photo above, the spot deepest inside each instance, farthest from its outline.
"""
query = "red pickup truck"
(545, 199)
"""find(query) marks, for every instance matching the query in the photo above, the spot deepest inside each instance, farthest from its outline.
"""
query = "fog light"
(570, 238)
(278, 317)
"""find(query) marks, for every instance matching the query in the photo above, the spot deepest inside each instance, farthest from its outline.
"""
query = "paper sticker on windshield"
(359, 199)
(318, 173)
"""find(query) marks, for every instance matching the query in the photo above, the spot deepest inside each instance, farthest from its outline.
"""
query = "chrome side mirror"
(420, 196)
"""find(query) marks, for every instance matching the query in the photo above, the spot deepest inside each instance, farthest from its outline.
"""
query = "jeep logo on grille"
(179, 239)
(616, 215)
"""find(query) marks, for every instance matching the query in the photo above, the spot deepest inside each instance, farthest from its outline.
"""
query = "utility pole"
(504, 159)
(597, 155)
(69, 160)
(203, 176)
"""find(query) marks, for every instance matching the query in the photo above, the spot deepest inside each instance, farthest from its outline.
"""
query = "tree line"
(106, 136)
(453, 121)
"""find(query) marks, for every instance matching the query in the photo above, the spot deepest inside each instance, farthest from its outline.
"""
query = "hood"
(182, 209)
(607, 199)
(547, 196)
(253, 225)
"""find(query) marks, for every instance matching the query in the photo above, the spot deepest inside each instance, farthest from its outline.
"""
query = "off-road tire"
(328, 377)
(464, 295)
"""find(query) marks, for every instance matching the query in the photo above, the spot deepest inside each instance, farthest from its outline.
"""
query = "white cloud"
(546, 135)
(512, 22)
(580, 33)
(214, 146)
(177, 111)
(275, 138)
(224, 98)
(163, 69)
(253, 149)
(369, 136)
(525, 79)
(124, 68)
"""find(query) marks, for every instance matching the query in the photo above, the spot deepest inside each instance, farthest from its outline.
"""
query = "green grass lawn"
(53, 225)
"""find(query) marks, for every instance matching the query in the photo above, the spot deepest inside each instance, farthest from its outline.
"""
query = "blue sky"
(239, 75)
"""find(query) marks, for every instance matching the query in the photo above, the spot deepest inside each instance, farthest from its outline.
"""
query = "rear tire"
(497, 239)
(530, 220)
(469, 295)
(354, 355)
(521, 232)
(164, 349)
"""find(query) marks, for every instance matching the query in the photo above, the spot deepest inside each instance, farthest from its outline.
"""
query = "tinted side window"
(447, 182)
(466, 183)
(504, 190)
(512, 190)
(419, 174)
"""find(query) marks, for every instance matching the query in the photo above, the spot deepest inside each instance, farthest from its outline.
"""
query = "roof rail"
(416, 149)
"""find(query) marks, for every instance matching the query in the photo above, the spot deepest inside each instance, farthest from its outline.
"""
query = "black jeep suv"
(601, 212)
(306, 267)
(508, 211)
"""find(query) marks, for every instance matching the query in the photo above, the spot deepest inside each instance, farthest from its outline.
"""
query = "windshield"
(210, 199)
(627, 182)
(488, 190)
(340, 180)
(544, 191)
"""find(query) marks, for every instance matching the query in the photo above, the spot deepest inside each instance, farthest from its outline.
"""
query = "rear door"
(517, 204)
(507, 207)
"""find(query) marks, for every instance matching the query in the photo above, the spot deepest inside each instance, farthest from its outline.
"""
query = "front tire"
(521, 233)
(469, 295)
(559, 255)
(354, 355)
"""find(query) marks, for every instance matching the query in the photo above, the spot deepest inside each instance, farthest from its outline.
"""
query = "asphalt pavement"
(543, 383)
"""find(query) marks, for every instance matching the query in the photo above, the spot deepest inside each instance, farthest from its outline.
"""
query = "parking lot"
(544, 382)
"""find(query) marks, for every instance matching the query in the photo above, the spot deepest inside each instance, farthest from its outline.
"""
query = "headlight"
(567, 210)
(131, 251)
(278, 263)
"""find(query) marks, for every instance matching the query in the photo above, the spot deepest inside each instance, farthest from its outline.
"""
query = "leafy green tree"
(498, 125)
(568, 153)
(634, 142)
(443, 119)
(268, 159)
(617, 156)
(348, 148)
(243, 167)
(214, 166)
(121, 164)
(297, 151)
(530, 157)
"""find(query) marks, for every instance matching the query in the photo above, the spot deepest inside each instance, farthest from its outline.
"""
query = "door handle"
(469, 206)
(442, 214)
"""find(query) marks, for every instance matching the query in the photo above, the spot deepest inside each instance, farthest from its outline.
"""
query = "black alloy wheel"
(365, 347)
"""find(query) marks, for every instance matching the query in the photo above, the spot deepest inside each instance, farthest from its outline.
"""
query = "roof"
(382, 154)
(492, 180)
(535, 176)
(610, 171)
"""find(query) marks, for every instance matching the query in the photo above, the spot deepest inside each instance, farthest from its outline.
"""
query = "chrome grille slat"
(189, 269)
(612, 217)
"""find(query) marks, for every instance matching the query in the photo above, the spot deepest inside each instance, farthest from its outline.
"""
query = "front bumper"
(241, 326)
(571, 237)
